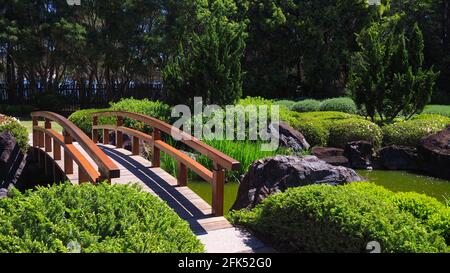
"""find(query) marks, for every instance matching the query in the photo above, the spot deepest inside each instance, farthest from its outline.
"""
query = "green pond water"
(397, 181)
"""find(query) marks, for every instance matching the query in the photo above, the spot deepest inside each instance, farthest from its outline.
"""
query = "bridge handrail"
(220, 160)
(208, 151)
(106, 167)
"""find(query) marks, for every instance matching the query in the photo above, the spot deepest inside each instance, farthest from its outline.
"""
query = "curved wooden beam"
(106, 166)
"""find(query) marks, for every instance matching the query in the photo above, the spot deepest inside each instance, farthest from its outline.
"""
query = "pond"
(398, 181)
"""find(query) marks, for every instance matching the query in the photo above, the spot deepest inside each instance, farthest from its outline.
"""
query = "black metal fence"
(76, 96)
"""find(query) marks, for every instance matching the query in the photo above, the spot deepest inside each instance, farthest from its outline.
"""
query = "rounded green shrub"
(308, 105)
(409, 132)
(317, 126)
(344, 131)
(315, 132)
(19, 131)
(83, 119)
(324, 218)
(101, 218)
(346, 105)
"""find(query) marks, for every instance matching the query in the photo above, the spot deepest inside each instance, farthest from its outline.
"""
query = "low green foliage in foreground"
(99, 218)
(409, 132)
(323, 218)
(17, 130)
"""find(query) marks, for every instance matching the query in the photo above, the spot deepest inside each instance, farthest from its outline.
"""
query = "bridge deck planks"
(216, 233)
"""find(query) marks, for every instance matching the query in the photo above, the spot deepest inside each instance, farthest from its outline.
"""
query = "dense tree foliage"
(388, 77)
(214, 48)
(208, 61)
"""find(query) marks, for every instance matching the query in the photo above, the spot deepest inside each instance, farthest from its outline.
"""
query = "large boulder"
(288, 136)
(333, 156)
(276, 174)
(12, 160)
(398, 158)
(434, 154)
(359, 154)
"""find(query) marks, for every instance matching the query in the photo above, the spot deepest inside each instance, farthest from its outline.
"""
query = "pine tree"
(388, 76)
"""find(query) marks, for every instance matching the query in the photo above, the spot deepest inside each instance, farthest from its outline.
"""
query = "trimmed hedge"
(323, 218)
(353, 129)
(335, 128)
(83, 119)
(101, 218)
(346, 105)
(154, 109)
(409, 132)
(17, 130)
(308, 105)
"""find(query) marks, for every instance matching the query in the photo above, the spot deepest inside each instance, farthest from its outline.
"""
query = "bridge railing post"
(135, 145)
(182, 175)
(68, 161)
(119, 134)
(105, 136)
(156, 153)
(218, 186)
(95, 131)
(48, 139)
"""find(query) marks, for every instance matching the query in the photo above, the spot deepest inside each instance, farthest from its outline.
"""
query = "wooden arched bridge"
(79, 158)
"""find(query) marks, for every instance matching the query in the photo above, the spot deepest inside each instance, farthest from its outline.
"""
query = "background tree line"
(218, 49)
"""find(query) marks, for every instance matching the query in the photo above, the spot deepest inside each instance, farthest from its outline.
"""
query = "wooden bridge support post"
(218, 186)
(105, 136)
(68, 161)
(156, 153)
(35, 138)
(48, 138)
(82, 176)
(182, 175)
(94, 131)
(119, 134)
(135, 146)
(56, 150)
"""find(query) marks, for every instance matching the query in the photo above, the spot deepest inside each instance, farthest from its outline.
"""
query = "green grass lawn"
(28, 123)
(438, 109)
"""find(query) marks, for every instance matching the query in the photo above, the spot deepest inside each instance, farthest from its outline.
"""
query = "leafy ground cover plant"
(323, 218)
(101, 218)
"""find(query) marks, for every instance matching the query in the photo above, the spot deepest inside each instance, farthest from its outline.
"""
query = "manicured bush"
(410, 132)
(323, 218)
(308, 105)
(83, 119)
(288, 104)
(344, 131)
(315, 131)
(17, 130)
(335, 128)
(346, 105)
(154, 109)
(101, 218)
